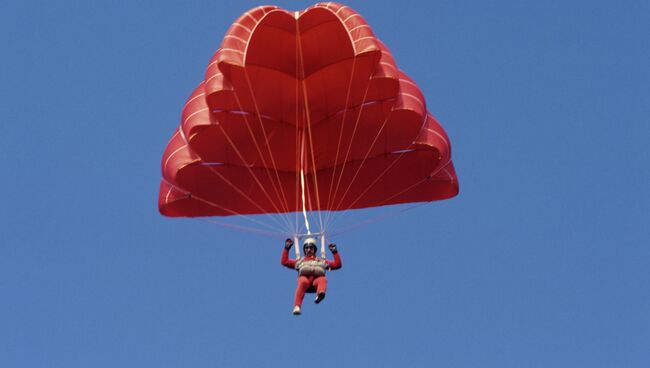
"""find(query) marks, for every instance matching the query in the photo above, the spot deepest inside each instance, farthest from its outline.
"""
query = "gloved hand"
(288, 243)
(332, 247)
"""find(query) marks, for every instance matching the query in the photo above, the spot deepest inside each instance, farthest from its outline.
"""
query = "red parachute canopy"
(308, 104)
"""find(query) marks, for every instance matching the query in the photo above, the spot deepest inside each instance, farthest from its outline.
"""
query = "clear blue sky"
(541, 261)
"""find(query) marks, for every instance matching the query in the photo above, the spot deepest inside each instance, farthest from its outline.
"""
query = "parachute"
(302, 112)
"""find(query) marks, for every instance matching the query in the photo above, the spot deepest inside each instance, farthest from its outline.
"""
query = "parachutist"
(311, 270)
(389, 147)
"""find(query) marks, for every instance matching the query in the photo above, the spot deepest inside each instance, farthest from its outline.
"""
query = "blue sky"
(541, 261)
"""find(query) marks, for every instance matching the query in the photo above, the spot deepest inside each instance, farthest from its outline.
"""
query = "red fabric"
(305, 283)
(318, 78)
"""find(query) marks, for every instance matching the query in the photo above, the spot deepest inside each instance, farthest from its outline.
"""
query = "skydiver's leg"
(321, 288)
(321, 284)
(303, 285)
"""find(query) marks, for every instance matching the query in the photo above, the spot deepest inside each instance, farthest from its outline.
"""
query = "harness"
(311, 267)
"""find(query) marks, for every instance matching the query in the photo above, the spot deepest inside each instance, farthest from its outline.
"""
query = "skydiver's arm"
(285, 261)
(336, 263)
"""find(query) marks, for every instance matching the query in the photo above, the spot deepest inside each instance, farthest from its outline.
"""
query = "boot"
(319, 297)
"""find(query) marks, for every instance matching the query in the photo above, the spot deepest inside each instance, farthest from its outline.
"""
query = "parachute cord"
(338, 146)
(238, 190)
(429, 177)
(248, 229)
(302, 184)
(365, 158)
(322, 246)
(340, 215)
(235, 213)
(297, 250)
(385, 201)
(334, 218)
(311, 143)
(250, 170)
(374, 141)
(278, 207)
(354, 131)
(268, 144)
(298, 137)
(376, 219)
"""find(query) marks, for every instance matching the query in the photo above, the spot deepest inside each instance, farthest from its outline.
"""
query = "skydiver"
(311, 270)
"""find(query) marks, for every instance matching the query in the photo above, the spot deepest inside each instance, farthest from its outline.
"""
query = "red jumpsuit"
(304, 282)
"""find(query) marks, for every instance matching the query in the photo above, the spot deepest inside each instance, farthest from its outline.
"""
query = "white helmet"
(308, 242)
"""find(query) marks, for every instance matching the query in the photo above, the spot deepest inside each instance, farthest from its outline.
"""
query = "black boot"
(319, 298)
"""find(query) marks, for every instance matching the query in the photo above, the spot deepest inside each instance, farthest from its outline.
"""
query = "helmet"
(309, 242)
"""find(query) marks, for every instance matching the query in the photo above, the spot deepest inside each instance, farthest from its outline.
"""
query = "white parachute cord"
(297, 250)
(248, 229)
(304, 210)
(302, 183)
(372, 220)
(322, 246)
